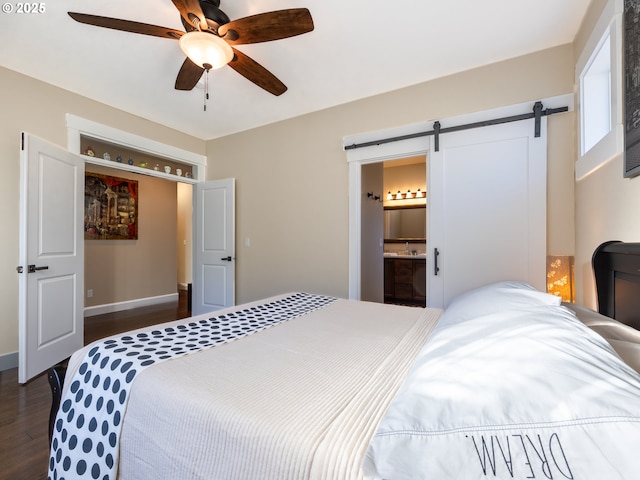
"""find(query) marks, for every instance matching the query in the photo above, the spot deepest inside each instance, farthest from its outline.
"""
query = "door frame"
(367, 155)
(404, 148)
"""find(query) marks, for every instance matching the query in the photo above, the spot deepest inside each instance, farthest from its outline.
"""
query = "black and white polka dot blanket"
(88, 424)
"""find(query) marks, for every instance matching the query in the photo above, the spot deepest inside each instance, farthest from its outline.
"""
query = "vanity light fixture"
(406, 196)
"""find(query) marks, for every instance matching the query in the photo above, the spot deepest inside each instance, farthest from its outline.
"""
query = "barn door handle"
(226, 259)
(33, 268)
(436, 269)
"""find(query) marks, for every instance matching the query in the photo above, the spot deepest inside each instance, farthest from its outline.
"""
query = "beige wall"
(32, 106)
(606, 202)
(292, 176)
(124, 270)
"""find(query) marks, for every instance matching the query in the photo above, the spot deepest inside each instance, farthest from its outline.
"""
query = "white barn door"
(51, 320)
(213, 246)
(487, 209)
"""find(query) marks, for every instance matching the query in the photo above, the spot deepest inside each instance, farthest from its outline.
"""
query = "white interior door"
(51, 256)
(214, 246)
(487, 209)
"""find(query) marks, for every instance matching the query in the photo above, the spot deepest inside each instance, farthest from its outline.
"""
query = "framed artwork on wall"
(632, 88)
(110, 208)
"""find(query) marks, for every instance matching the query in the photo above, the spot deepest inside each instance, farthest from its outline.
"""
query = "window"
(595, 87)
(599, 80)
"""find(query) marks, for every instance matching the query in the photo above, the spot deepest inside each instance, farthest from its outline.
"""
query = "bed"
(506, 383)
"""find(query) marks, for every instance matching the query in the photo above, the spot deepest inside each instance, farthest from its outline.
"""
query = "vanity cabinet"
(405, 280)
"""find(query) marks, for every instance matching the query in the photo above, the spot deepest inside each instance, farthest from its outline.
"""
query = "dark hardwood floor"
(24, 409)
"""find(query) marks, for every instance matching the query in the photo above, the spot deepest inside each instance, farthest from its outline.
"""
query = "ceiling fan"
(210, 35)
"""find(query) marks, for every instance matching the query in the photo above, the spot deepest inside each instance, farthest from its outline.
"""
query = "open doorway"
(124, 274)
(393, 225)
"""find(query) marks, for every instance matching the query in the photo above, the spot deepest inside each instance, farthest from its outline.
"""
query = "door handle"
(436, 269)
(226, 259)
(33, 268)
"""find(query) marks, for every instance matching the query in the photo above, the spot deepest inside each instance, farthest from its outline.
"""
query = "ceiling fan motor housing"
(215, 17)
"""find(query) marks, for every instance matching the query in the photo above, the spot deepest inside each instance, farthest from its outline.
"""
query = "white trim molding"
(137, 303)
(78, 127)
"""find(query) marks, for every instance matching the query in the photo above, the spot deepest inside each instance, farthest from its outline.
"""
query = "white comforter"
(299, 400)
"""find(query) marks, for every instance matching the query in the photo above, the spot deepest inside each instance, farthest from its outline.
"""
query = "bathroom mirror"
(407, 223)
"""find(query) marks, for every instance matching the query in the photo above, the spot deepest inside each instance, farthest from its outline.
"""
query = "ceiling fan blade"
(253, 71)
(189, 75)
(265, 27)
(126, 25)
(192, 13)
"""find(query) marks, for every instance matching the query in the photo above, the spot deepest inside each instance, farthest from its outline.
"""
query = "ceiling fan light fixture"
(205, 48)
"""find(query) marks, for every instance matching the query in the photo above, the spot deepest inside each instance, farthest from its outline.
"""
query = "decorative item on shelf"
(142, 164)
(560, 271)
(179, 172)
(187, 175)
(89, 151)
(119, 159)
(106, 156)
(130, 161)
(157, 168)
(374, 197)
(167, 169)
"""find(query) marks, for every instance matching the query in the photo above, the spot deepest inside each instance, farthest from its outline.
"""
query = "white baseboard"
(8, 361)
(120, 306)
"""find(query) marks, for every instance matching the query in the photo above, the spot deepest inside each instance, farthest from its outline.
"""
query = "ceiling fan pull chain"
(207, 67)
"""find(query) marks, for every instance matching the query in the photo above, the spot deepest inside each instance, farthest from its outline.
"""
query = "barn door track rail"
(536, 114)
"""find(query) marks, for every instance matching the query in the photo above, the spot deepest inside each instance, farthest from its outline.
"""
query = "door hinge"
(19, 269)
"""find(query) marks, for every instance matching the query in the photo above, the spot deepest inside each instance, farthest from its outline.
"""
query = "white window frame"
(607, 31)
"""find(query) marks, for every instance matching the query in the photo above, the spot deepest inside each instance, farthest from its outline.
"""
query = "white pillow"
(519, 393)
(496, 297)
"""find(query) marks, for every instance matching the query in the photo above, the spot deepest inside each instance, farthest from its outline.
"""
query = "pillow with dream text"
(524, 392)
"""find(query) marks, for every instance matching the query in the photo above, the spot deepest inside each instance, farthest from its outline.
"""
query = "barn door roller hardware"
(536, 114)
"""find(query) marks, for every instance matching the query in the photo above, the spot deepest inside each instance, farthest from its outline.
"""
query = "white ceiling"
(359, 48)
